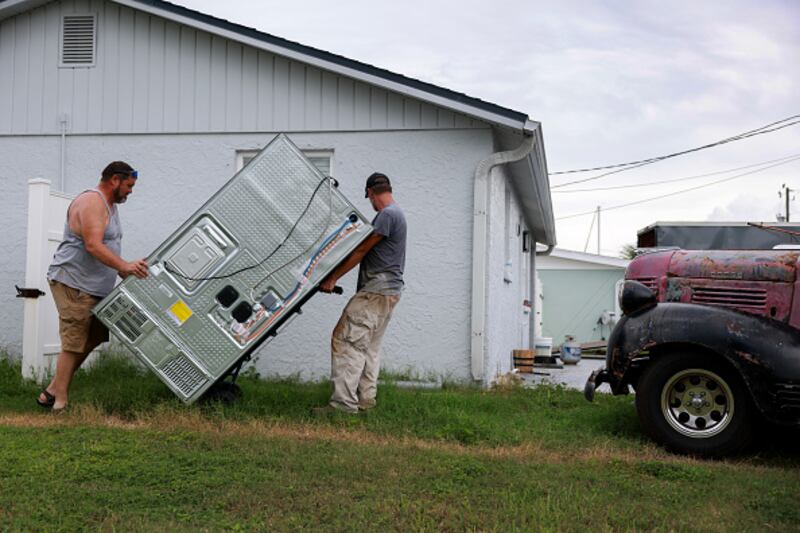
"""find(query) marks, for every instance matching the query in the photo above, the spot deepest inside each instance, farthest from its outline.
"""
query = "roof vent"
(78, 38)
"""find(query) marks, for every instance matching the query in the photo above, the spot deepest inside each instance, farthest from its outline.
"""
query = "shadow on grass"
(777, 446)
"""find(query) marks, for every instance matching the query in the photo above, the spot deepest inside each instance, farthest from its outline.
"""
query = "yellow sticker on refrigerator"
(180, 312)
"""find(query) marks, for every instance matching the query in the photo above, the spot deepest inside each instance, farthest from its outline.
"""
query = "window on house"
(78, 41)
(322, 159)
(526, 241)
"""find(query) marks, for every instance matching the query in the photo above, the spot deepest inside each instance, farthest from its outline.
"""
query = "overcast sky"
(611, 82)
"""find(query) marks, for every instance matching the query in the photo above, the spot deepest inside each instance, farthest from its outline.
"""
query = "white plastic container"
(543, 346)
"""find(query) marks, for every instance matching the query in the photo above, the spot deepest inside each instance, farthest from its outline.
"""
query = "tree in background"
(628, 251)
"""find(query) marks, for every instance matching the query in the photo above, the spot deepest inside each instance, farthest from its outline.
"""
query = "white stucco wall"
(432, 172)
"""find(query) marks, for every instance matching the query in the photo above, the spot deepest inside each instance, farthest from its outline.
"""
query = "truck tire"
(694, 404)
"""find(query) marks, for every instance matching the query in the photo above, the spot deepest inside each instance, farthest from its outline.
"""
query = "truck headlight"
(635, 297)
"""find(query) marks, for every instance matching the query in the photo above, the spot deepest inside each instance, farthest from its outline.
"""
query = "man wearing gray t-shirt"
(356, 339)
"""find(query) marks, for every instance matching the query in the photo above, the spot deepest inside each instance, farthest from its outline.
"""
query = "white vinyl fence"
(47, 211)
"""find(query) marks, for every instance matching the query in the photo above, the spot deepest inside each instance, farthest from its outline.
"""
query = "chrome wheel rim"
(697, 403)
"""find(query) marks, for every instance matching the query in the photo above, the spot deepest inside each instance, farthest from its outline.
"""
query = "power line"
(787, 158)
(728, 139)
(676, 192)
(769, 128)
(655, 160)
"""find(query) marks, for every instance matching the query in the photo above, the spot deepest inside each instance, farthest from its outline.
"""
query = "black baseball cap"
(376, 178)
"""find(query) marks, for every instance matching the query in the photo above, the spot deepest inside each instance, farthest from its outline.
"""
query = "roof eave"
(9, 8)
(533, 188)
(530, 181)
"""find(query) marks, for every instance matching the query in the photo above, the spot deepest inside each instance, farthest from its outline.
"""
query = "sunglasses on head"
(132, 174)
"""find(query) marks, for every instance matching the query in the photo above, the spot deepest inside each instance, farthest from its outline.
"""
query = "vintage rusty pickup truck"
(710, 342)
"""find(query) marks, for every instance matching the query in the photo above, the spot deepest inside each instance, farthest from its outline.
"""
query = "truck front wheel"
(691, 403)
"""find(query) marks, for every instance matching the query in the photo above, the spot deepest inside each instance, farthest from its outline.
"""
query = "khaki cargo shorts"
(79, 329)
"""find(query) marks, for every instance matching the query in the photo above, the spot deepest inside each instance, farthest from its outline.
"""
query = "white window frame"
(242, 155)
(61, 63)
(320, 154)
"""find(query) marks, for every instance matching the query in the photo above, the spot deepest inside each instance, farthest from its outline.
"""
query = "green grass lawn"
(129, 456)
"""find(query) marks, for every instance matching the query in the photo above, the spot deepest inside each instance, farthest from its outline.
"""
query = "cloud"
(743, 43)
(746, 208)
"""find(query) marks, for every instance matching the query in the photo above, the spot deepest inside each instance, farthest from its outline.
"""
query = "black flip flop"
(50, 399)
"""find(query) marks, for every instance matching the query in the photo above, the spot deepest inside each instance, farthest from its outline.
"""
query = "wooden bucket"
(523, 361)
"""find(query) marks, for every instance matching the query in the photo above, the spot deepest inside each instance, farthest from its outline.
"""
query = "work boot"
(366, 405)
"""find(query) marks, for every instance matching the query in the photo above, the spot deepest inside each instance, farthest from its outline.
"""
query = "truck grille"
(650, 283)
(788, 395)
(753, 299)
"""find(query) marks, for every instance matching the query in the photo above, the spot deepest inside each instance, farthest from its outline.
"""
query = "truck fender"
(764, 351)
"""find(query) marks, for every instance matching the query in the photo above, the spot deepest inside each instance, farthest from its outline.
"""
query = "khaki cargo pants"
(355, 344)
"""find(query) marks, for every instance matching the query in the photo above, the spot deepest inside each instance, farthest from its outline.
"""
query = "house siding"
(156, 76)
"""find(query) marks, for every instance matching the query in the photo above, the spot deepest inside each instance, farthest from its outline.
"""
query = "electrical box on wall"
(230, 276)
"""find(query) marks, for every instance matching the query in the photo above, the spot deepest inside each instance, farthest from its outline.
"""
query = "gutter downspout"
(533, 299)
(480, 219)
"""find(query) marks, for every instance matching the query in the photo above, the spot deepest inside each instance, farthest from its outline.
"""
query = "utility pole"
(787, 192)
(589, 235)
(598, 229)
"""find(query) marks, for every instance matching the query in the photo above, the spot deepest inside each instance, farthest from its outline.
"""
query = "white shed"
(579, 294)
(186, 98)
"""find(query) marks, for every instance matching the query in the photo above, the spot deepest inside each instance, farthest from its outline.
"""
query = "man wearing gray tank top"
(84, 271)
